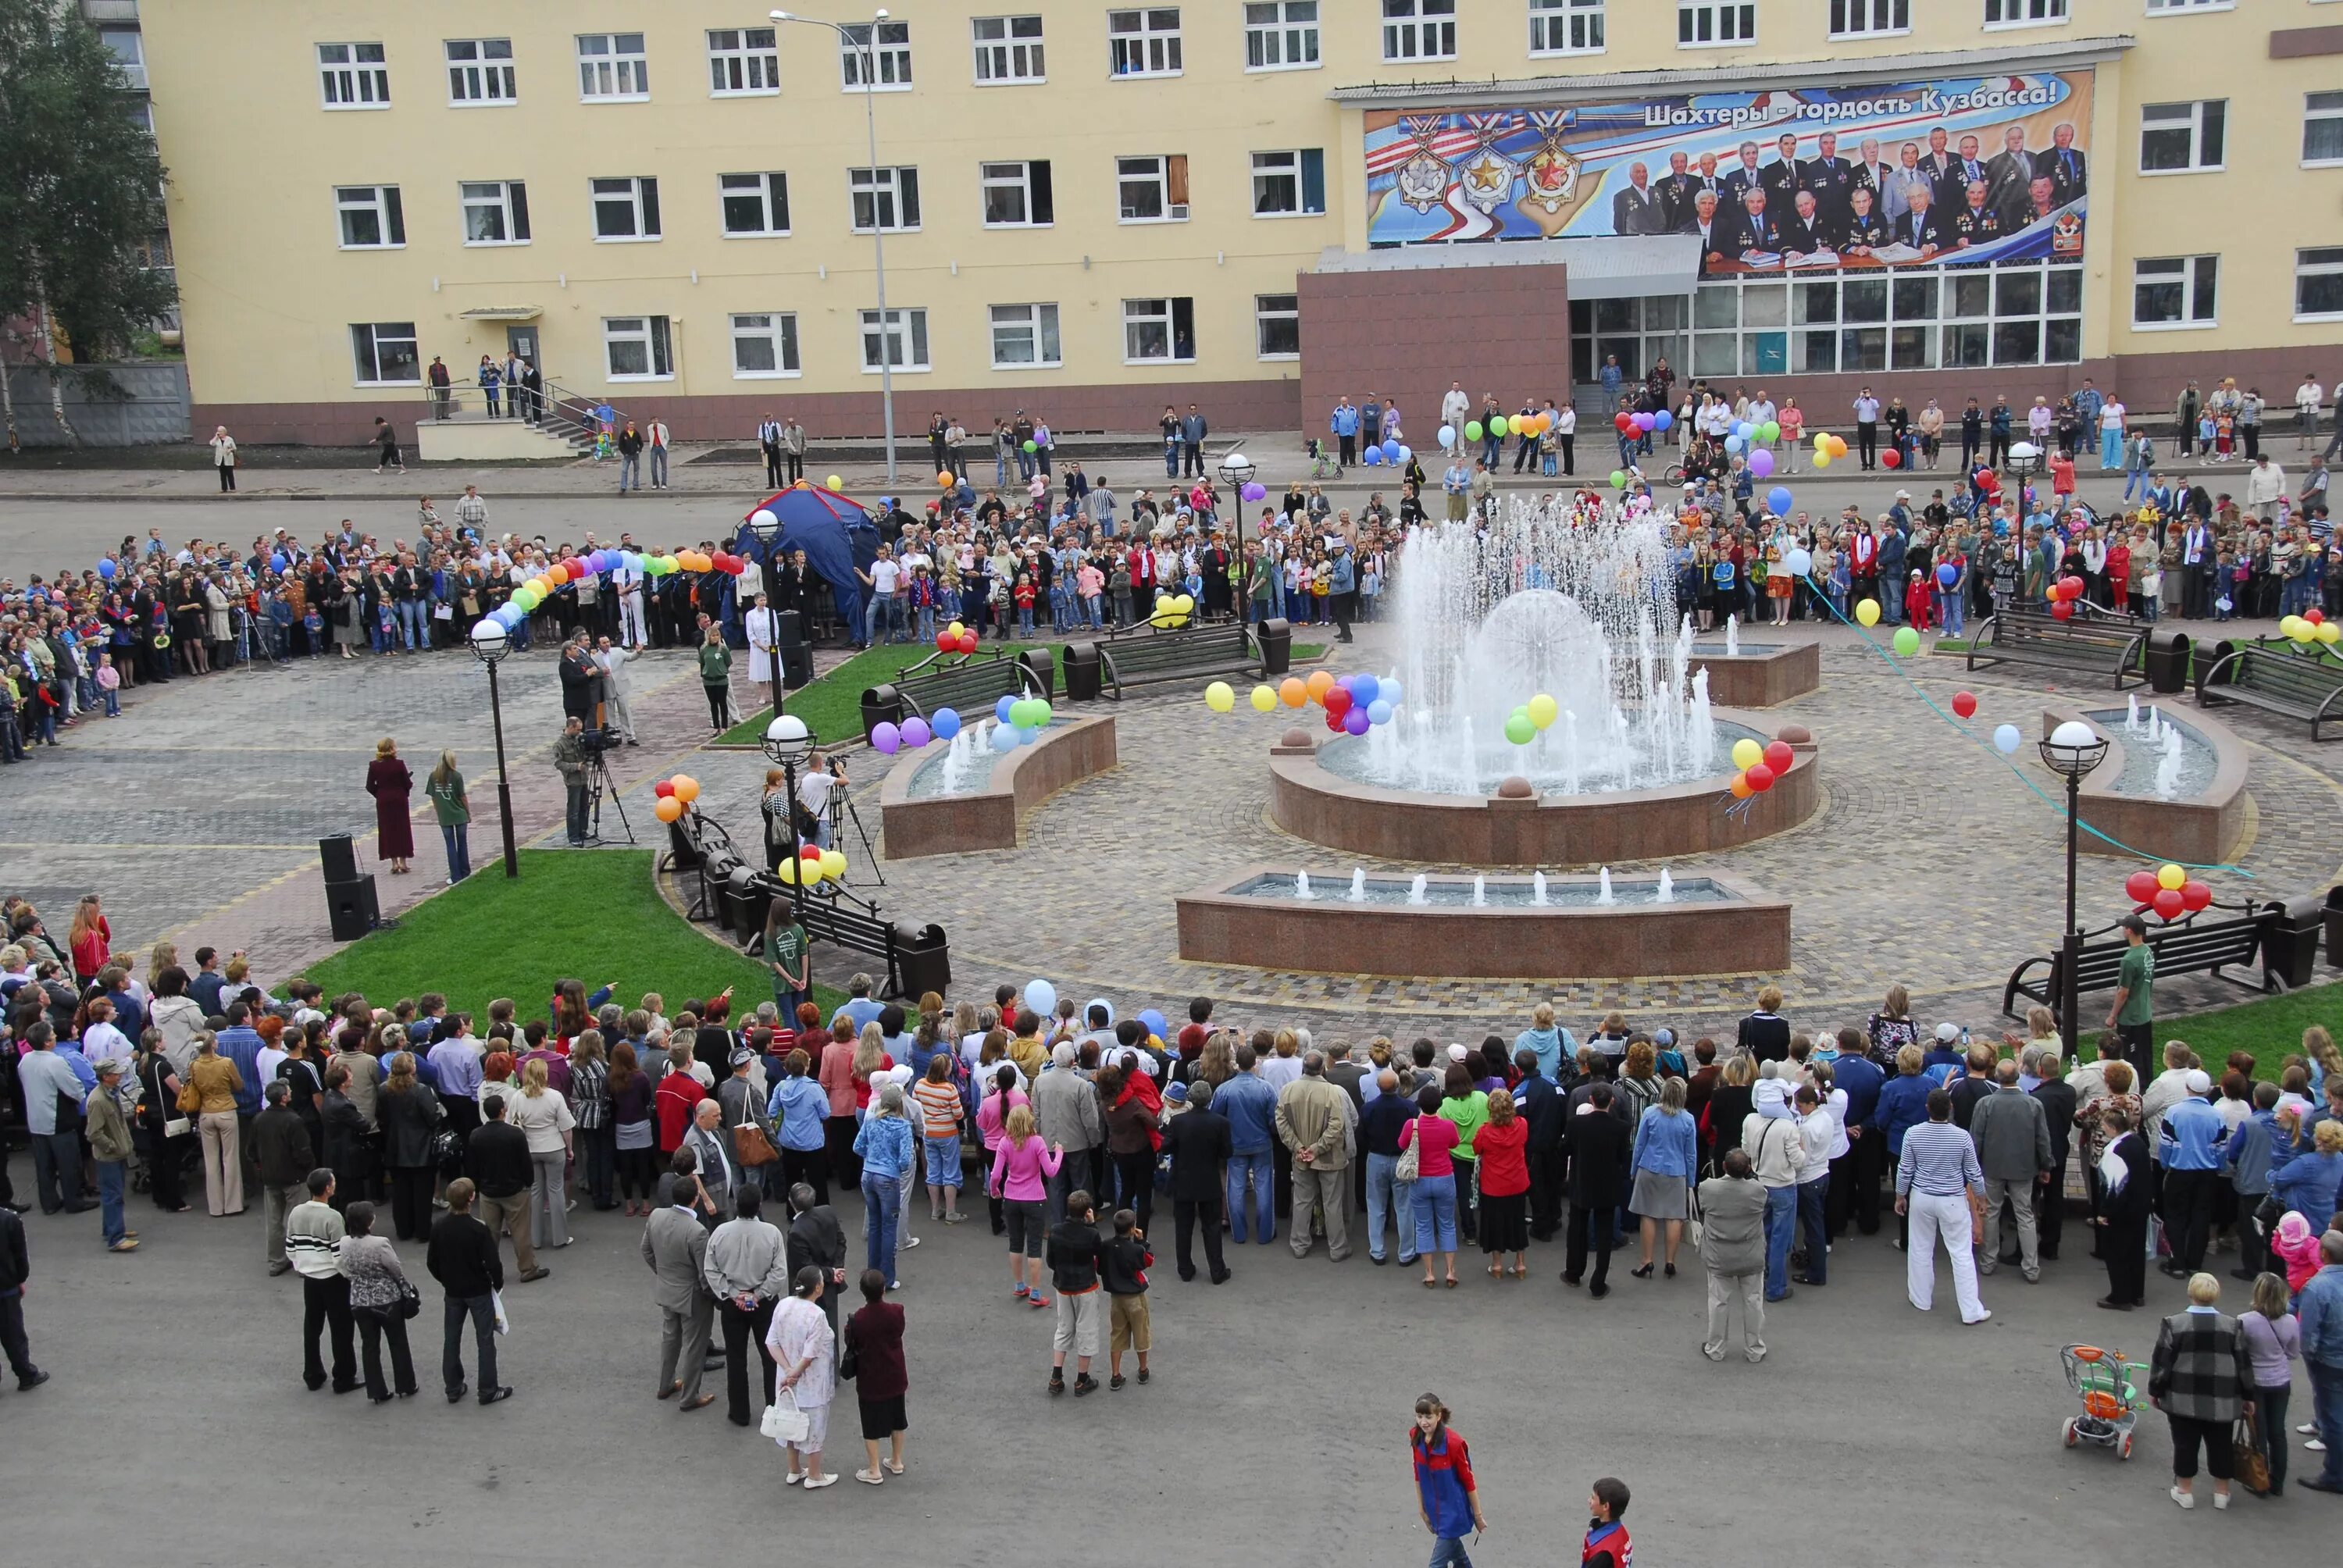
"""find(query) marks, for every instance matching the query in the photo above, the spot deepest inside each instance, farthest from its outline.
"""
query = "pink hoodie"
(2296, 1248)
(1021, 1171)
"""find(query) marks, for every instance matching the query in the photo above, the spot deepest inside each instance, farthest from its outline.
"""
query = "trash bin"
(1084, 672)
(880, 705)
(923, 961)
(2167, 662)
(2290, 943)
(2334, 927)
(745, 900)
(1274, 638)
(1039, 664)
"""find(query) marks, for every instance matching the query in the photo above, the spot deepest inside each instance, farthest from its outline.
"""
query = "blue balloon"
(1041, 997)
(1404, 454)
(1733, 443)
(1374, 457)
(1388, 690)
(1027, 734)
(278, 560)
(105, 567)
(1156, 1025)
(1004, 738)
(1001, 710)
(1379, 711)
(1777, 500)
(1364, 688)
(2006, 739)
(1948, 574)
(1391, 451)
(1744, 429)
(946, 723)
(1662, 421)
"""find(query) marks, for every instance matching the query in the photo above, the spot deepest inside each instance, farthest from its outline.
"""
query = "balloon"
(915, 732)
(1388, 690)
(1769, 431)
(967, 642)
(1030, 447)
(1041, 997)
(1797, 561)
(1779, 756)
(1406, 454)
(687, 788)
(1355, 721)
(2072, 588)
(1500, 427)
(2297, 629)
(1519, 730)
(2007, 739)
(105, 567)
(1747, 753)
(1891, 458)
(1003, 710)
(278, 562)
(1622, 422)
(833, 864)
(1220, 697)
(1291, 692)
(2330, 633)
(1868, 612)
(1662, 421)
(1004, 738)
(2063, 610)
(1391, 451)
(809, 852)
(2141, 886)
(1822, 460)
(1965, 704)
(947, 641)
(945, 478)
(1741, 787)
(663, 789)
(1364, 688)
(1906, 641)
(1448, 433)
(1761, 464)
(1334, 722)
(1544, 710)
(1732, 444)
(1374, 457)
(1318, 685)
(1618, 478)
(2168, 902)
(2172, 876)
(1254, 492)
(1948, 574)
(1379, 711)
(1264, 698)
(2194, 896)
(1337, 700)
(946, 723)
(2315, 615)
(1839, 446)
(786, 872)
(834, 483)
(1646, 424)
(667, 809)
(1777, 500)
(1761, 778)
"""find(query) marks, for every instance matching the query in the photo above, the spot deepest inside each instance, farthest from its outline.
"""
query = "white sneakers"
(2185, 1499)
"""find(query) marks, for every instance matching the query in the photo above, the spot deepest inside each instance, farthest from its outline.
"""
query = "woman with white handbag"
(803, 1349)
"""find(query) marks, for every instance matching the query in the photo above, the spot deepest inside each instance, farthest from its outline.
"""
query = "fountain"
(1605, 881)
(1358, 885)
(1301, 887)
(1732, 637)
(2171, 787)
(1537, 889)
(2131, 713)
(1666, 892)
(963, 794)
(1415, 890)
(2167, 766)
(1480, 891)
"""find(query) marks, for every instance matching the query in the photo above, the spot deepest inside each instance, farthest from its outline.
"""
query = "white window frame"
(1124, 174)
(1869, 18)
(2195, 121)
(2314, 112)
(618, 72)
(656, 333)
(770, 189)
(906, 325)
(481, 80)
(1263, 314)
(129, 47)
(2329, 263)
(355, 77)
(1418, 30)
(992, 176)
(383, 203)
(884, 185)
(751, 56)
(2187, 270)
(890, 56)
(1284, 28)
(641, 193)
(510, 203)
(1039, 325)
(1161, 310)
(376, 337)
(1013, 56)
(2000, 14)
(1581, 24)
(1140, 43)
(1266, 167)
(2188, 7)
(777, 329)
(1731, 24)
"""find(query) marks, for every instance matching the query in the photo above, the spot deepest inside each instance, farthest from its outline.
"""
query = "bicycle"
(1323, 466)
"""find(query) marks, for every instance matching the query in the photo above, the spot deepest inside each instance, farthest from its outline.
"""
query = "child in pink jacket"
(2297, 1247)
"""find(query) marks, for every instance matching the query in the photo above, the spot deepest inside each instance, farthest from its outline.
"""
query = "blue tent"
(832, 529)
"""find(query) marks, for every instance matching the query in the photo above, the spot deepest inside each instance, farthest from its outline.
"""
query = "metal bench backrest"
(1177, 650)
(2030, 626)
(2307, 681)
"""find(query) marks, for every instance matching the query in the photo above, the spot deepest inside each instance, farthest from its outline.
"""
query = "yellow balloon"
(1868, 612)
(833, 864)
(786, 871)
(2294, 628)
(1220, 697)
(668, 809)
(1264, 700)
(2330, 632)
(2171, 876)
(687, 788)
(1544, 710)
(835, 483)
(955, 628)
(1747, 753)
(1822, 459)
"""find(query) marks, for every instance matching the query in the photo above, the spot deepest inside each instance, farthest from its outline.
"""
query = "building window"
(2024, 13)
(1277, 325)
(764, 343)
(353, 76)
(1154, 190)
(1869, 18)
(884, 198)
(1709, 23)
(496, 211)
(612, 67)
(1017, 196)
(903, 342)
(385, 352)
(480, 73)
(129, 52)
(884, 67)
(1282, 36)
(1025, 338)
(2181, 138)
(370, 217)
(1143, 42)
(1566, 27)
(1289, 184)
(637, 348)
(1007, 49)
(742, 63)
(2322, 127)
(755, 205)
(1158, 329)
(2174, 7)
(2176, 291)
(2318, 284)
(1419, 29)
(626, 208)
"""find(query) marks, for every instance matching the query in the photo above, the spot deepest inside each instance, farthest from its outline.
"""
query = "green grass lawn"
(2270, 1028)
(591, 916)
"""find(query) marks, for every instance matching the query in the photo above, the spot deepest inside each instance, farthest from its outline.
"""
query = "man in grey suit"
(712, 1147)
(676, 1247)
(1636, 210)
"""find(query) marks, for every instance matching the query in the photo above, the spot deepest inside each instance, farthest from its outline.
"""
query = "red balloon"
(663, 789)
(809, 852)
(946, 641)
(967, 642)
(2073, 587)
(1965, 704)
(1891, 458)
(1778, 757)
(2194, 896)
(2315, 615)
(1625, 423)
(1334, 723)
(2168, 902)
(2141, 886)
(1337, 701)
(1760, 777)
(1988, 481)
(2063, 610)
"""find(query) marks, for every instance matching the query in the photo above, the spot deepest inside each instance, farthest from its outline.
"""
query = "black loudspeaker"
(797, 653)
(350, 906)
(341, 853)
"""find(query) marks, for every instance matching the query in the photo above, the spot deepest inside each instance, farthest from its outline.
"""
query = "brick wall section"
(1406, 335)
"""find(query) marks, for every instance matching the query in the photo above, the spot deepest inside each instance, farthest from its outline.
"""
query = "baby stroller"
(2107, 1383)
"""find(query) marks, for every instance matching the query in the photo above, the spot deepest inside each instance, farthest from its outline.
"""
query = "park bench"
(2273, 677)
(1146, 657)
(916, 962)
(970, 684)
(2094, 641)
(2191, 947)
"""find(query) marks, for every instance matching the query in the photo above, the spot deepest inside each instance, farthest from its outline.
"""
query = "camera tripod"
(841, 808)
(598, 781)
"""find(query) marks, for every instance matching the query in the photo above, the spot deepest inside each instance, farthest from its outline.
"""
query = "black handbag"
(410, 1302)
(447, 1153)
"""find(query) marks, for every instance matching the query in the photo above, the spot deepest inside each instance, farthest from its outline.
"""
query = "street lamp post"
(789, 743)
(1236, 473)
(489, 646)
(766, 528)
(2073, 750)
(868, 47)
(2024, 461)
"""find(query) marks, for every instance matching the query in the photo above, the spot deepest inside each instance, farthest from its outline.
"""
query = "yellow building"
(1090, 212)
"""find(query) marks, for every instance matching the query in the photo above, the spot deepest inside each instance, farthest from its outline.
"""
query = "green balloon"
(1519, 730)
(1618, 478)
(1473, 429)
(1030, 447)
(1498, 426)
(1769, 431)
(1908, 641)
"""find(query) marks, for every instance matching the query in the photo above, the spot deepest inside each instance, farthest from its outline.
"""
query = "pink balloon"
(1760, 463)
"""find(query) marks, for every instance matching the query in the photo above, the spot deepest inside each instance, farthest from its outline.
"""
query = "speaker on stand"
(351, 907)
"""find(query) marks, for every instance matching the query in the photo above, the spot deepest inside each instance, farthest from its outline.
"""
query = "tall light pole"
(2073, 750)
(1236, 473)
(2024, 461)
(489, 646)
(789, 743)
(868, 47)
(766, 528)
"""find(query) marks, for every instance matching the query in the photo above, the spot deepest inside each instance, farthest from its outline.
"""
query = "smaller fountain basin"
(2143, 759)
(2204, 822)
(918, 819)
(1761, 675)
(1715, 924)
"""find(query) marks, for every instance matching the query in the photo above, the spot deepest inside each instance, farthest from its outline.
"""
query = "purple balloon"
(1646, 422)
(1254, 492)
(1760, 463)
(916, 733)
(1355, 721)
(887, 739)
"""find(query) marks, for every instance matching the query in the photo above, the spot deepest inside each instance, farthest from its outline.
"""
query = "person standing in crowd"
(453, 808)
(410, 1115)
(675, 1246)
(1502, 1147)
(2124, 1197)
(498, 1160)
(1598, 1144)
(887, 1150)
(1936, 1181)
(873, 1357)
(110, 1149)
(1435, 1138)
(546, 1124)
(747, 1271)
(213, 1084)
(285, 1156)
(800, 1343)
(1733, 1252)
(1662, 1163)
(1447, 1498)
(2201, 1377)
(1313, 1121)
(392, 787)
(1197, 1140)
(15, 1272)
(1074, 1257)
(2132, 1014)
(2320, 1303)
(223, 446)
(379, 1293)
(1380, 1125)
(1123, 1263)
(314, 1232)
(50, 1090)
(463, 1257)
(2273, 1344)
(2012, 1135)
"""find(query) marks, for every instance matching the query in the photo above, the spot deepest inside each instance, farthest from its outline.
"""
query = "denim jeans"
(2327, 1409)
(1780, 1218)
(1251, 1169)
(882, 1202)
(459, 851)
(1387, 1196)
(630, 471)
(110, 1188)
(882, 620)
(1448, 1551)
(1810, 1218)
(113, 696)
(1434, 1198)
(576, 813)
(415, 621)
(1090, 603)
(926, 626)
(659, 467)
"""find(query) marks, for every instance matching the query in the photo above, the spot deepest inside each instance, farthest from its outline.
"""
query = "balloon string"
(1995, 751)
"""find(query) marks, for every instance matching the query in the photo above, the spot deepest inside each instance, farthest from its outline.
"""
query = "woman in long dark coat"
(391, 786)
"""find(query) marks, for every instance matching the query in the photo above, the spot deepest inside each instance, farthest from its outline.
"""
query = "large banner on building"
(1887, 175)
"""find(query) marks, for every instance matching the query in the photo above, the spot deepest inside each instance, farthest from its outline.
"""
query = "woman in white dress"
(803, 1350)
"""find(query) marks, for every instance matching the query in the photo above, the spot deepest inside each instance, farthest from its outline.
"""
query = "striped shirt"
(313, 1240)
(939, 1106)
(1938, 1160)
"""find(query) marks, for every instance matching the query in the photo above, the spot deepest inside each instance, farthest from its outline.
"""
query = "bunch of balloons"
(956, 639)
(911, 734)
(1642, 423)
(675, 796)
(1760, 765)
(1173, 611)
(562, 573)
(2065, 594)
(1253, 490)
(1525, 723)
(1354, 703)
(1391, 452)
(814, 864)
(1017, 721)
(1037, 442)
(1827, 447)
(2168, 890)
(2311, 625)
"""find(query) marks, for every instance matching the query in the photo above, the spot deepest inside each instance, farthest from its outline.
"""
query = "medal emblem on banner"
(1422, 180)
(1553, 170)
(1487, 174)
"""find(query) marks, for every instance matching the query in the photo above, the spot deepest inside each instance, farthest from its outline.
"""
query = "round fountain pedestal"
(918, 823)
